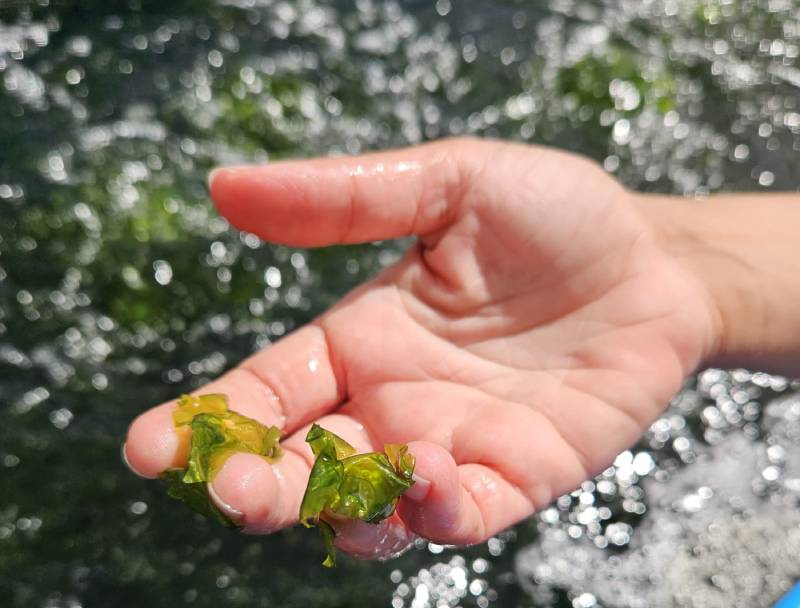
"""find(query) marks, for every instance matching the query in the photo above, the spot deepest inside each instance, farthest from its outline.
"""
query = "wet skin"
(534, 331)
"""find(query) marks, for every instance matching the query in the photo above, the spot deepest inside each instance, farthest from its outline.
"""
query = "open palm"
(533, 332)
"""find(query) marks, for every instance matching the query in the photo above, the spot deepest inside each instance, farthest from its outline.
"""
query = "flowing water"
(120, 288)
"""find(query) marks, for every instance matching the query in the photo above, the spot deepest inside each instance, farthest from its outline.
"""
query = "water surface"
(120, 287)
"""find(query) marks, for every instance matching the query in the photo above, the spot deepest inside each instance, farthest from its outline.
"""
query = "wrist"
(743, 253)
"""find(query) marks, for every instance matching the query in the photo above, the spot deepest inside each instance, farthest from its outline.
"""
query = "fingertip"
(220, 183)
(127, 462)
(434, 471)
(436, 487)
(363, 540)
(259, 495)
(439, 512)
(211, 175)
(234, 514)
(419, 490)
(153, 445)
(251, 198)
(215, 180)
(245, 489)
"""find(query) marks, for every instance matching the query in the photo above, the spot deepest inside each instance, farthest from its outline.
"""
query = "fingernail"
(383, 541)
(234, 514)
(419, 490)
(127, 463)
(246, 490)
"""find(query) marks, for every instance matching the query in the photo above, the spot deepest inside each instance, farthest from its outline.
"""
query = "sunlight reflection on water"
(119, 287)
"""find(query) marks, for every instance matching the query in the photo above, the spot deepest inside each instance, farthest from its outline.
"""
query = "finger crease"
(481, 532)
(306, 457)
(580, 455)
(339, 373)
(351, 210)
(277, 405)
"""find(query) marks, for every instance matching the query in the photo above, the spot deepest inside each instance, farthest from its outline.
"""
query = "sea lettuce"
(195, 495)
(356, 486)
(215, 432)
(342, 484)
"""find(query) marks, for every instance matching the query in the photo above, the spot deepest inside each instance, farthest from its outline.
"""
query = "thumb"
(412, 191)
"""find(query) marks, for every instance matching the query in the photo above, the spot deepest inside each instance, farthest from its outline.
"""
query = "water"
(703, 513)
(119, 287)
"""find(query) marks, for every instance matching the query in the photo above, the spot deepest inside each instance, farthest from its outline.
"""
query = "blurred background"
(120, 287)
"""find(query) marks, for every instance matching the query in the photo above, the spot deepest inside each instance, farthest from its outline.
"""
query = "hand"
(533, 332)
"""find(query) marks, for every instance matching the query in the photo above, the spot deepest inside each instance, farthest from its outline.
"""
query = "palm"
(533, 333)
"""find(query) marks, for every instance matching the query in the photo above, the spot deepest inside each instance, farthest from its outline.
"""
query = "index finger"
(385, 195)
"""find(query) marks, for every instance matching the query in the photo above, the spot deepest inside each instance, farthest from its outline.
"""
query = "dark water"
(120, 288)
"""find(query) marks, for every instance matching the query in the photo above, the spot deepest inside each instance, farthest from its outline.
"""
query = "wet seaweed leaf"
(401, 460)
(190, 406)
(195, 495)
(356, 486)
(214, 434)
(328, 535)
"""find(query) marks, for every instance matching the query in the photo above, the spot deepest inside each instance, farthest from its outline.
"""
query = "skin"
(540, 323)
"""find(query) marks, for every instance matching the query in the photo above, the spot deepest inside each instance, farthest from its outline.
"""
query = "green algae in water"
(216, 433)
(355, 486)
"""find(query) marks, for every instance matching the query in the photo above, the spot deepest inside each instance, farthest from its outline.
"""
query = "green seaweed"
(216, 433)
(195, 496)
(343, 484)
